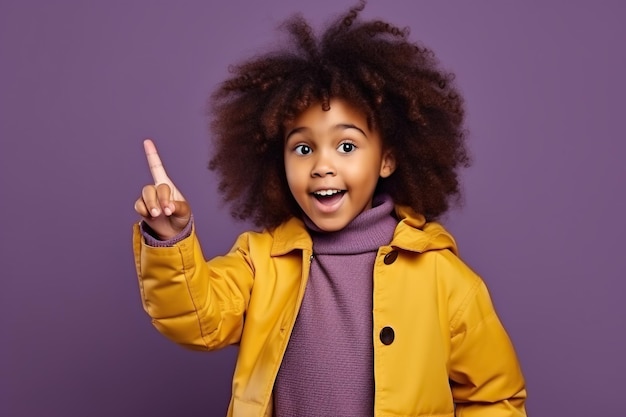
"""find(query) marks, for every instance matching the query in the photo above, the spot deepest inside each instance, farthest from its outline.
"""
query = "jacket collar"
(289, 236)
(412, 233)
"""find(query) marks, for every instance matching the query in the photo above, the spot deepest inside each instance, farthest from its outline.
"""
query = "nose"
(323, 166)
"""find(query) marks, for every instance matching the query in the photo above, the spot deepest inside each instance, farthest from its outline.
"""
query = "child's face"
(333, 162)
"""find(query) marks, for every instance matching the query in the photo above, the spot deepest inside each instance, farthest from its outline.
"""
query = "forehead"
(340, 112)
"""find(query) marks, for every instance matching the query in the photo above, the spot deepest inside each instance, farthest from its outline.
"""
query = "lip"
(328, 208)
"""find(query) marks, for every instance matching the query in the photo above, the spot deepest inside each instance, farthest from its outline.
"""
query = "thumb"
(181, 209)
(181, 214)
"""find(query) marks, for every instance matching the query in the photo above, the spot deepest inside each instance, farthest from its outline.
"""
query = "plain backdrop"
(82, 83)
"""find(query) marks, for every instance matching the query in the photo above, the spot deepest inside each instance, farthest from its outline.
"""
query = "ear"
(388, 164)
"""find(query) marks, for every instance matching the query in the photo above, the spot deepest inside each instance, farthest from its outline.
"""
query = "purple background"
(82, 83)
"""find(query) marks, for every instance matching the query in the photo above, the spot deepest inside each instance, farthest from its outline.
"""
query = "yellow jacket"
(450, 353)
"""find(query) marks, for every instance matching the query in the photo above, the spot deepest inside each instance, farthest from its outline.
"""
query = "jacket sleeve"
(195, 303)
(485, 376)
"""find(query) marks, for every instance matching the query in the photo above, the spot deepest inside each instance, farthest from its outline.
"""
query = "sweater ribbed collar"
(367, 232)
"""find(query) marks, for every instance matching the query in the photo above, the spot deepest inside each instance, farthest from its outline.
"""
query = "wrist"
(154, 239)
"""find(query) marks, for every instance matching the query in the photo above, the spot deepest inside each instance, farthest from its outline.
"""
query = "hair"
(372, 65)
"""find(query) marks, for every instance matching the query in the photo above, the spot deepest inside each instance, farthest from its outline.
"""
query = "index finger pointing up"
(154, 162)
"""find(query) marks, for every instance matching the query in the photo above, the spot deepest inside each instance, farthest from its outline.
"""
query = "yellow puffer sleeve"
(195, 303)
(485, 375)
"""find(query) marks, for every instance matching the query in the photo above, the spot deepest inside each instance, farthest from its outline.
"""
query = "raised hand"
(161, 205)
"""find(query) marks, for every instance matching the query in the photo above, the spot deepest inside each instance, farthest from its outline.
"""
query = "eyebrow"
(340, 126)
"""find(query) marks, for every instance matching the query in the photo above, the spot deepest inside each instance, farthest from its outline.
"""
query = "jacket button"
(390, 257)
(387, 335)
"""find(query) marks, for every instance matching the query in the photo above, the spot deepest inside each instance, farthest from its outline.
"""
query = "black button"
(387, 335)
(391, 257)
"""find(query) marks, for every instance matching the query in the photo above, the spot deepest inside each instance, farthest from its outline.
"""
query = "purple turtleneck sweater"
(328, 367)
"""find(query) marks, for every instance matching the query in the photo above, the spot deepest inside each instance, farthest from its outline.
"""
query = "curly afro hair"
(372, 65)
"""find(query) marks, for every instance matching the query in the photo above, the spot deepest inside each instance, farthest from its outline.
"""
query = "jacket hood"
(414, 234)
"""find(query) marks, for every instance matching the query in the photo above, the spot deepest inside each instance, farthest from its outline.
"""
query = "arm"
(195, 303)
(198, 304)
(485, 375)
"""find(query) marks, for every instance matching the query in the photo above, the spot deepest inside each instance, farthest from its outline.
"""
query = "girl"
(352, 300)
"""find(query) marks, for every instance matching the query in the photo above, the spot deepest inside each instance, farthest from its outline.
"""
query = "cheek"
(364, 173)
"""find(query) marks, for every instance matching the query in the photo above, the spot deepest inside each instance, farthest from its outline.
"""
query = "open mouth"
(328, 197)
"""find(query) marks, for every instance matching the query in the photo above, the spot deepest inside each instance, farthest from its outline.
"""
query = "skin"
(334, 152)
(161, 205)
(324, 151)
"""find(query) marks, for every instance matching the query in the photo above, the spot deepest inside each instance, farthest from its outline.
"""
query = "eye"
(302, 150)
(346, 147)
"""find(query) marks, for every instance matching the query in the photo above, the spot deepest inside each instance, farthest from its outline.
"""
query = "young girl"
(352, 301)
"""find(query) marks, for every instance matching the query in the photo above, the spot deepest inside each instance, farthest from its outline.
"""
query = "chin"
(329, 225)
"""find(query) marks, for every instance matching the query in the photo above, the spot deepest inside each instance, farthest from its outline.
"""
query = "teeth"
(326, 192)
